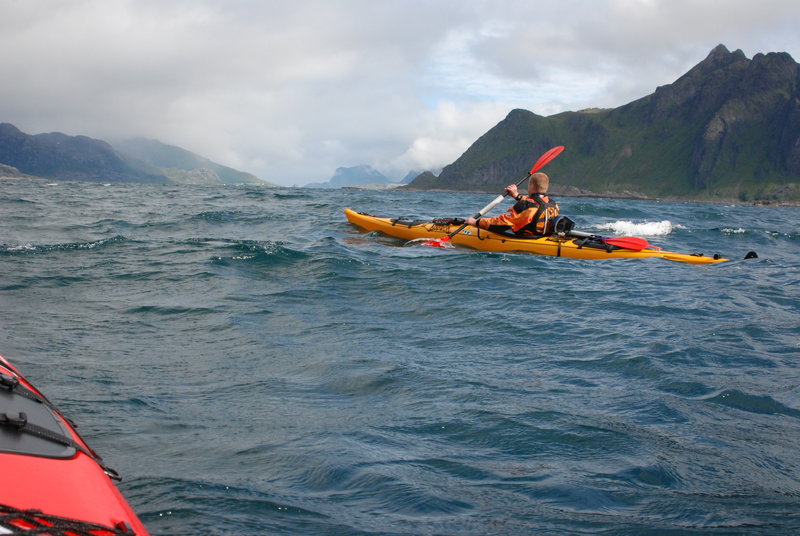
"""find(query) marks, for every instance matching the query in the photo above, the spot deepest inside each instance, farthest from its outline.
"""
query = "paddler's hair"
(539, 183)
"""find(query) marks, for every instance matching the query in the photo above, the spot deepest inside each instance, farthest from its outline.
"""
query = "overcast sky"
(290, 90)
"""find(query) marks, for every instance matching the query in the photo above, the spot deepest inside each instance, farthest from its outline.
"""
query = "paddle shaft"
(543, 160)
(496, 201)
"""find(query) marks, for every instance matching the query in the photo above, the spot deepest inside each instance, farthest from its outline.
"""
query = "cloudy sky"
(291, 90)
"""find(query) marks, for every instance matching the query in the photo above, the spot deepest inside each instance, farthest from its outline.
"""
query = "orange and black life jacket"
(544, 212)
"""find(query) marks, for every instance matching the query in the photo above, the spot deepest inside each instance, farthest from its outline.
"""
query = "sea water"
(252, 364)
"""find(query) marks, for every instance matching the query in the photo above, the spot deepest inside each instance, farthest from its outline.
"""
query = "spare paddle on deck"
(543, 160)
(630, 242)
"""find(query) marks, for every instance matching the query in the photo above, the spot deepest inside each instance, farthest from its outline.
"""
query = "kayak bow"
(52, 482)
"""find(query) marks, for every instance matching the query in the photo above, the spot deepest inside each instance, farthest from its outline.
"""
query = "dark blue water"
(254, 365)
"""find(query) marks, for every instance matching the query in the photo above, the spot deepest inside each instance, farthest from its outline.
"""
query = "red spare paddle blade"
(546, 157)
(438, 242)
(432, 242)
(630, 242)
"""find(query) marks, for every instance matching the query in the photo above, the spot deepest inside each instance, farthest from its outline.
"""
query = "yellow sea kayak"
(572, 244)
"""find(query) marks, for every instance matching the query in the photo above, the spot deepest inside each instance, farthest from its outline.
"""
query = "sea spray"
(648, 228)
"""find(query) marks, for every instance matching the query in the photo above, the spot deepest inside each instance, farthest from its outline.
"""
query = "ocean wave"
(28, 248)
(253, 251)
(21, 201)
(184, 506)
(650, 228)
(751, 403)
(216, 216)
(292, 194)
(765, 232)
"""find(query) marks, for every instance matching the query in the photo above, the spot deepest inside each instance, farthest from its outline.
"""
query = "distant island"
(361, 177)
(728, 129)
(57, 156)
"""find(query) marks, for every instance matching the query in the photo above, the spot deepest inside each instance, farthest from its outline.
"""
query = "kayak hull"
(481, 239)
(68, 483)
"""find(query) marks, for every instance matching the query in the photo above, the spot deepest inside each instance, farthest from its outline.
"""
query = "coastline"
(629, 195)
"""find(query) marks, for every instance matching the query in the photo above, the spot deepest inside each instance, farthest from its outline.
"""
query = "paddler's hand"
(472, 221)
(512, 190)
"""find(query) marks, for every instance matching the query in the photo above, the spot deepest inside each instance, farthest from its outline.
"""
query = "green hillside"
(727, 129)
(182, 166)
(58, 156)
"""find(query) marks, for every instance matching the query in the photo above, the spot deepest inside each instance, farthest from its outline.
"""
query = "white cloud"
(292, 90)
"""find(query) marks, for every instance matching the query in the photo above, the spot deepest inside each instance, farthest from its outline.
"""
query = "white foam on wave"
(18, 247)
(649, 228)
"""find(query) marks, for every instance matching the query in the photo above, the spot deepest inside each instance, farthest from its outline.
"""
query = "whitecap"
(651, 228)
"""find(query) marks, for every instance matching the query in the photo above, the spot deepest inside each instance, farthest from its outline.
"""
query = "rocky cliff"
(728, 128)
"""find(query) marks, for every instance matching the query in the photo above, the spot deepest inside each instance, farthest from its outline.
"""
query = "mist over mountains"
(57, 156)
(182, 166)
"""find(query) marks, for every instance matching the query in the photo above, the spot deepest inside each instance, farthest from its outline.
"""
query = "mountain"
(182, 166)
(410, 176)
(362, 176)
(727, 129)
(61, 157)
(10, 172)
(359, 176)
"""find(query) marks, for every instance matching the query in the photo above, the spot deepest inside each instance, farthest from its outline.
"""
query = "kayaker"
(532, 214)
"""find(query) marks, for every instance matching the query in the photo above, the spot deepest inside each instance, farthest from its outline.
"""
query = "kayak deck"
(51, 478)
(571, 245)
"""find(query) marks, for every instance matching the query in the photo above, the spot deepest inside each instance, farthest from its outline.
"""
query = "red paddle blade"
(432, 242)
(630, 242)
(438, 242)
(546, 158)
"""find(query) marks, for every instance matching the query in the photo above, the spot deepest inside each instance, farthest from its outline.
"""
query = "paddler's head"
(539, 183)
